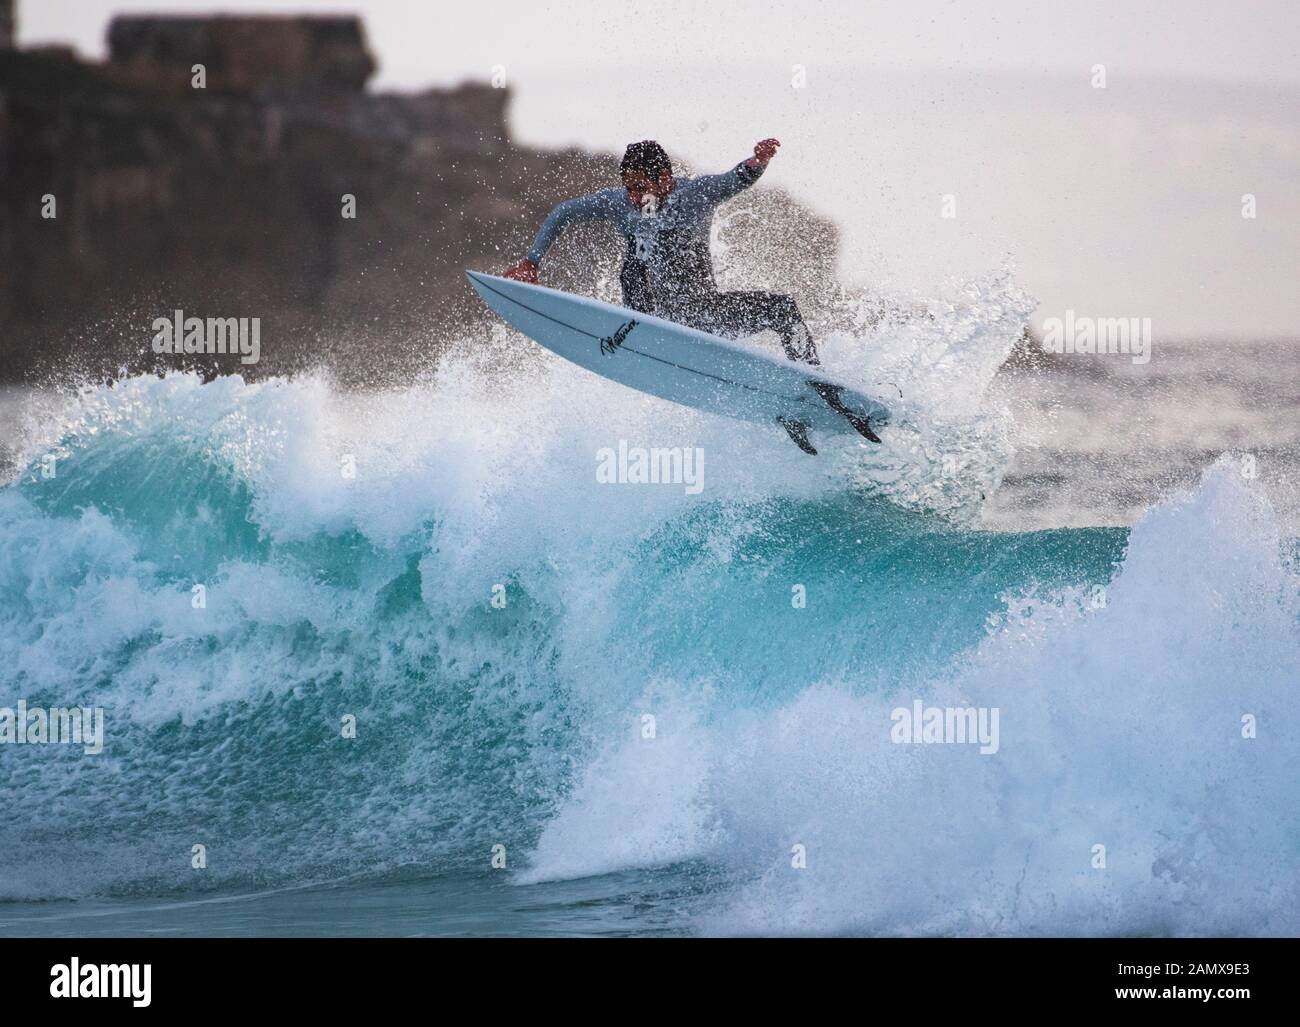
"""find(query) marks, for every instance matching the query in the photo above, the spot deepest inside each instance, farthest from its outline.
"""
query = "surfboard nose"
(493, 287)
(493, 298)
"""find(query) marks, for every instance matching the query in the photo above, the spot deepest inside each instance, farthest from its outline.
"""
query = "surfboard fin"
(831, 394)
(798, 432)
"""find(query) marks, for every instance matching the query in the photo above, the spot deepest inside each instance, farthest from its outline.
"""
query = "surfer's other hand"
(524, 271)
(764, 151)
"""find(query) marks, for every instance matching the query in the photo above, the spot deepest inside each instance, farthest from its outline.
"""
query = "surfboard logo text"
(612, 342)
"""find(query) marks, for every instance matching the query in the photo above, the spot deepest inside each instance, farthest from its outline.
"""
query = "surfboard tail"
(861, 423)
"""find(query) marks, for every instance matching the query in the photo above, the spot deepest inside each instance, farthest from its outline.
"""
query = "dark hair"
(646, 156)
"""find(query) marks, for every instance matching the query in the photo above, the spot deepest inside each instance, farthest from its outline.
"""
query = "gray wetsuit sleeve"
(595, 207)
(717, 188)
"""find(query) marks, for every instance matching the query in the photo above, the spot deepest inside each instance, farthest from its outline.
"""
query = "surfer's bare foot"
(798, 432)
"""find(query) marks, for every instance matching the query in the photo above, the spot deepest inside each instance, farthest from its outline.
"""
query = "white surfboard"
(685, 365)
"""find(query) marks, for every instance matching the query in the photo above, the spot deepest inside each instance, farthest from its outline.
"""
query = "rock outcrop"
(230, 200)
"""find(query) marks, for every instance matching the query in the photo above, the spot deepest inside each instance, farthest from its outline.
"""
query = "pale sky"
(1117, 202)
(439, 41)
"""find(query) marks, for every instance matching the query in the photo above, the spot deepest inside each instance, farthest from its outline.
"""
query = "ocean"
(398, 663)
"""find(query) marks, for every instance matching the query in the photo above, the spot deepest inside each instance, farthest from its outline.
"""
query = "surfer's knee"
(799, 346)
(783, 309)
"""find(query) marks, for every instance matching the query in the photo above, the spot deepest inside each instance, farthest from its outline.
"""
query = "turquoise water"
(678, 693)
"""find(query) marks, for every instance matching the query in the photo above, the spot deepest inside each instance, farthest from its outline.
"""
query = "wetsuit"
(667, 268)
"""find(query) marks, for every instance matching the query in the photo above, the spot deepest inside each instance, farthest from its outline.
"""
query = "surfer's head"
(647, 172)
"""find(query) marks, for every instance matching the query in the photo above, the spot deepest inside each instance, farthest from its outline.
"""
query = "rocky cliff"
(132, 188)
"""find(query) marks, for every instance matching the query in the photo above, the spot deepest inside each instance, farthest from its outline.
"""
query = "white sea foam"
(1121, 727)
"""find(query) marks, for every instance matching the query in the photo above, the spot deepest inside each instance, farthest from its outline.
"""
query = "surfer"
(667, 267)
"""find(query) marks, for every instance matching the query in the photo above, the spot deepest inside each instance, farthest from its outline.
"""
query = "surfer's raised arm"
(717, 188)
(648, 184)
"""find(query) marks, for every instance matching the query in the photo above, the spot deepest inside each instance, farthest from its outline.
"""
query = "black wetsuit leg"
(746, 313)
(635, 280)
(736, 314)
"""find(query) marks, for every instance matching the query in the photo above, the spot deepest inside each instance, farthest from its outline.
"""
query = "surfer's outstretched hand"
(764, 151)
(524, 271)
